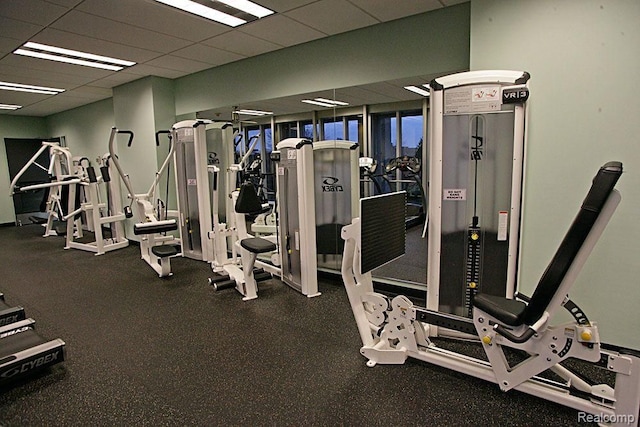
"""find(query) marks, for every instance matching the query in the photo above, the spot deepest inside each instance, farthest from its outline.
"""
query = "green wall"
(86, 129)
(15, 127)
(583, 57)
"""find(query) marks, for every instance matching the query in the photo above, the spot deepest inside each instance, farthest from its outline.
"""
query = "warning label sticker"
(454, 194)
(475, 99)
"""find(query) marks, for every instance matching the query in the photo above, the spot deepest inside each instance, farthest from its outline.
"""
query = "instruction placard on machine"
(472, 99)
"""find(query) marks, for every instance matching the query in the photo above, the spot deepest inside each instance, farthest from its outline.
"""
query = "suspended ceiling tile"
(117, 32)
(332, 16)
(115, 79)
(7, 46)
(182, 65)
(156, 17)
(143, 70)
(208, 54)
(17, 30)
(91, 45)
(280, 6)
(281, 30)
(67, 3)
(385, 10)
(90, 92)
(28, 64)
(56, 104)
(21, 98)
(42, 78)
(33, 11)
(241, 43)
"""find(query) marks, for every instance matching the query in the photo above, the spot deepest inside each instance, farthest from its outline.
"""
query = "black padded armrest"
(518, 339)
(507, 311)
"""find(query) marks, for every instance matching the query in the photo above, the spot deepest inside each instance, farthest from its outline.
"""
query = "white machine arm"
(114, 157)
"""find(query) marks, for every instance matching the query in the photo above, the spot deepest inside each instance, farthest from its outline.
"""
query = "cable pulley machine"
(477, 148)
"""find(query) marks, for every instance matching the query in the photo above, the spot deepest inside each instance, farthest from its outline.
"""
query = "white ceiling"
(163, 41)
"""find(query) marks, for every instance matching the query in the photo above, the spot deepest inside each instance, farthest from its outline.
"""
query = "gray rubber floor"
(148, 351)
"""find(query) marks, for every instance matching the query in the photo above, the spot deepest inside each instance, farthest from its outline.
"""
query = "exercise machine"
(244, 271)
(410, 169)
(368, 167)
(22, 350)
(394, 329)
(317, 193)
(153, 225)
(336, 191)
(204, 162)
(192, 182)
(476, 158)
(99, 215)
(296, 214)
(61, 173)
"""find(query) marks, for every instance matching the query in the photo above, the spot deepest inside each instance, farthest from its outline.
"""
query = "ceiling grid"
(163, 41)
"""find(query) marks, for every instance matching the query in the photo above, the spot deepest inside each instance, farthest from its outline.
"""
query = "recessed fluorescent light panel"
(17, 87)
(324, 102)
(418, 90)
(228, 12)
(9, 107)
(332, 101)
(53, 53)
(254, 112)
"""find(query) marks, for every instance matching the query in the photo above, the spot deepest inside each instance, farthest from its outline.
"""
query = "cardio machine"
(22, 350)
(409, 168)
(393, 330)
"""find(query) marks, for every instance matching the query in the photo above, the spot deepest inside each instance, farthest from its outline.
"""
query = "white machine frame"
(304, 238)
(486, 79)
(228, 237)
(392, 331)
(191, 176)
(156, 247)
(60, 158)
(95, 212)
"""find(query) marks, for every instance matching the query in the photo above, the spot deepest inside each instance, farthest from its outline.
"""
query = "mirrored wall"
(388, 123)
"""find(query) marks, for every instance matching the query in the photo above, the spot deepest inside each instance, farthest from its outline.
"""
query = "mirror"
(389, 124)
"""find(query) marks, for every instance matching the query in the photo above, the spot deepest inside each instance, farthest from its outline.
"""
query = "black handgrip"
(91, 173)
(127, 132)
(160, 132)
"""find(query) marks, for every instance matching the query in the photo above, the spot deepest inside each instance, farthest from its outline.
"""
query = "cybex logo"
(31, 364)
(330, 184)
(476, 151)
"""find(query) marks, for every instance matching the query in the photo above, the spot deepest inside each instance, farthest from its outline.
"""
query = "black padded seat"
(515, 313)
(507, 311)
(257, 245)
(164, 251)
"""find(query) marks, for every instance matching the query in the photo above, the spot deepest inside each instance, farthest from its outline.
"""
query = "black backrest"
(601, 187)
(248, 201)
